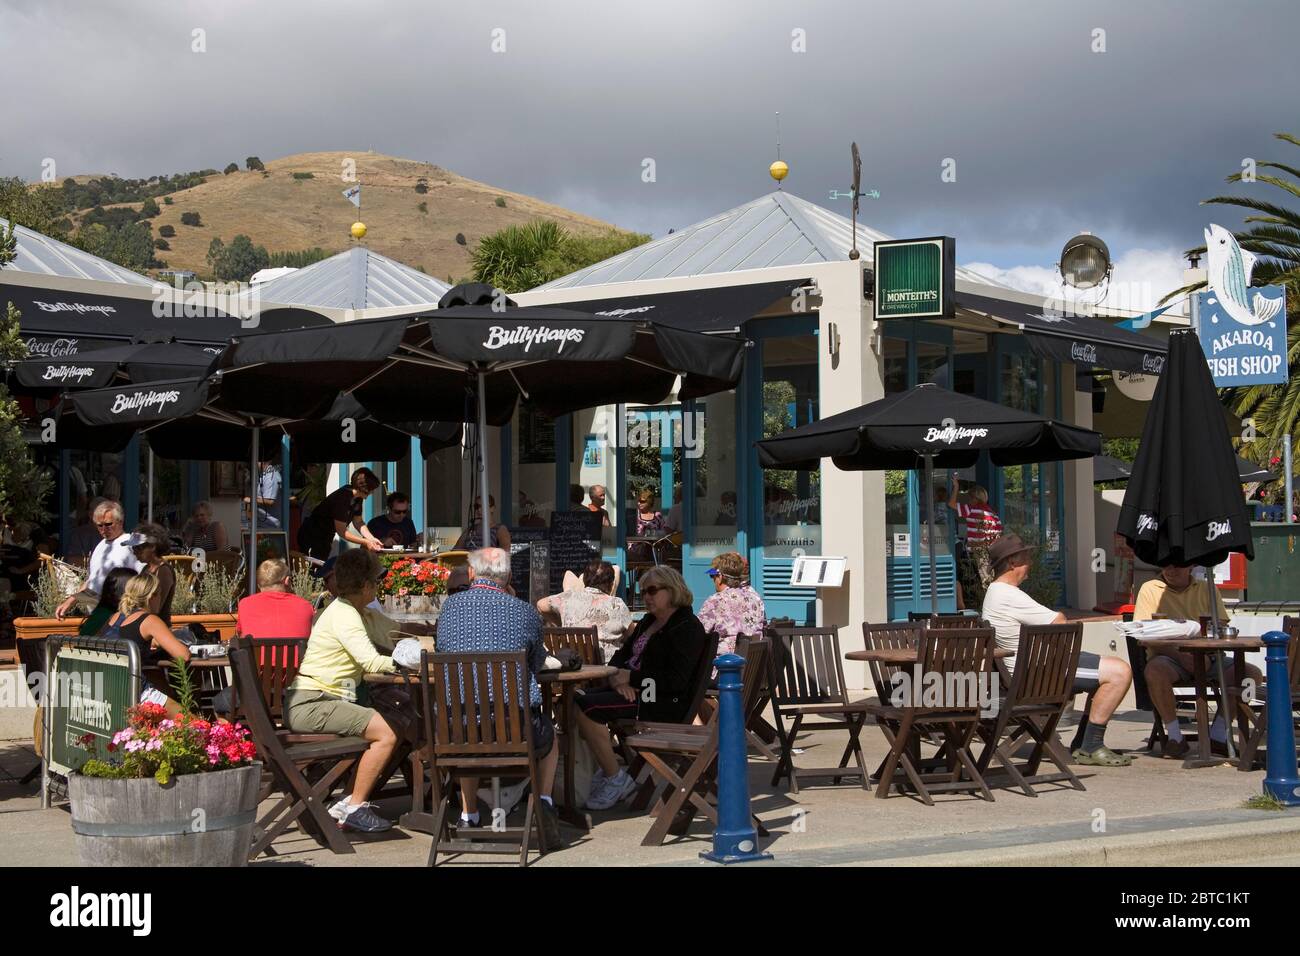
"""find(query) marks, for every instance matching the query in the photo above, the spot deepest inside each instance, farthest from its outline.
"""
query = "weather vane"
(855, 194)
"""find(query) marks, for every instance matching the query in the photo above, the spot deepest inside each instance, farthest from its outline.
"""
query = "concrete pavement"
(1153, 813)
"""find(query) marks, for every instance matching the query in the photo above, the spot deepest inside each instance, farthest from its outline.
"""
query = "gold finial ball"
(358, 230)
(778, 170)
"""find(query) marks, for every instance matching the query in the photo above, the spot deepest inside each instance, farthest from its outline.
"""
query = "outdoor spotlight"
(1085, 261)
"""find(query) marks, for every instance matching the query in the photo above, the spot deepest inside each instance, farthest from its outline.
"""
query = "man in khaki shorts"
(324, 697)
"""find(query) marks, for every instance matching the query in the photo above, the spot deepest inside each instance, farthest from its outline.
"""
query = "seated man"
(1006, 607)
(1175, 595)
(274, 611)
(395, 529)
(329, 696)
(485, 619)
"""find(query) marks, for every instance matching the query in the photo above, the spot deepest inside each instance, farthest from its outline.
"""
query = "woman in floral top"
(735, 607)
(593, 605)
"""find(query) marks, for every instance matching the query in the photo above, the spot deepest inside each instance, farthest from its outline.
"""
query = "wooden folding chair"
(683, 757)
(584, 640)
(452, 559)
(1258, 735)
(957, 658)
(1041, 687)
(278, 660)
(477, 724)
(807, 680)
(290, 764)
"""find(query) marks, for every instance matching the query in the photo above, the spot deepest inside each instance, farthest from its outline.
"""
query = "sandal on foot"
(1101, 757)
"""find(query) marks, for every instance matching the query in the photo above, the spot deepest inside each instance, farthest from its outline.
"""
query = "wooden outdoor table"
(568, 681)
(906, 655)
(1201, 648)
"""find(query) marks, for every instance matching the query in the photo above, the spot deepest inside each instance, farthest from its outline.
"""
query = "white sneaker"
(612, 791)
(340, 810)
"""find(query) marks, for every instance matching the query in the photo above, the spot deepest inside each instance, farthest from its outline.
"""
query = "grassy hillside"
(285, 213)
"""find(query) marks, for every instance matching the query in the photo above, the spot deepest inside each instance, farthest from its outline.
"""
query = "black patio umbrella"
(471, 360)
(1184, 504)
(183, 419)
(925, 428)
(139, 361)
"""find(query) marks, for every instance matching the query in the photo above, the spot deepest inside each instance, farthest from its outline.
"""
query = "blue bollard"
(1281, 781)
(735, 840)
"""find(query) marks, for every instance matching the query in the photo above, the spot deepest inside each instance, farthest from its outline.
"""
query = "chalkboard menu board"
(536, 437)
(521, 560)
(574, 540)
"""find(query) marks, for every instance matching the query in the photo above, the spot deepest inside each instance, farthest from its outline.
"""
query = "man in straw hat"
(1006, 607)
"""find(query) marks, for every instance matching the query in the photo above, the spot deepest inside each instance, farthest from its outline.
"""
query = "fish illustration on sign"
(1229, 279)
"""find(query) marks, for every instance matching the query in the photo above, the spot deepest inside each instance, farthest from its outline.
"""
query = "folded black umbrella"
(899, 431)
(1184, 503)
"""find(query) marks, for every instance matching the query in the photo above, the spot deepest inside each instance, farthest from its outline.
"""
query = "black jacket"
(671, 660)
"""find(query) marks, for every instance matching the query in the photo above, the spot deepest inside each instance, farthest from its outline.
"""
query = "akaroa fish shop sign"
(1242, 328)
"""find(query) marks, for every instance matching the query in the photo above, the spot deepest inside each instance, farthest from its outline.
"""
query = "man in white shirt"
(113, 551)
(1006, 607)
(268, 496)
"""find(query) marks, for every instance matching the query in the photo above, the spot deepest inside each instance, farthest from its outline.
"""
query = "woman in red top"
(983, 527)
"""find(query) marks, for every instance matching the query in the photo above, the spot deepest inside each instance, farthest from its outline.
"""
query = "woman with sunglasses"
(149, 543)
(734, 608)
(498, 534)
(654, 681)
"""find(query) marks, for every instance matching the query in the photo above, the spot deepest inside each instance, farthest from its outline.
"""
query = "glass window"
(445, 511)
(791, 499)
(595, 468)
(714, 454)
(532, 467)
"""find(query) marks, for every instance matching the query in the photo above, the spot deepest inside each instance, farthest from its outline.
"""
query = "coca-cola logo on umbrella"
(1083, 352)
(51, 348)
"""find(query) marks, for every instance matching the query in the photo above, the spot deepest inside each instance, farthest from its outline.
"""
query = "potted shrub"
(208, 600)
(413, 587)
(54, 582)
(172, 791)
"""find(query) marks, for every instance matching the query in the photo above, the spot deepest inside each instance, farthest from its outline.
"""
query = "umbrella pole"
(251, 556)
(483, 457)
(1218, 658)
(148, 508)
(929, 519)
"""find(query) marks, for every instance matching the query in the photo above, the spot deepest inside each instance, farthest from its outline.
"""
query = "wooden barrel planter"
(199, 819)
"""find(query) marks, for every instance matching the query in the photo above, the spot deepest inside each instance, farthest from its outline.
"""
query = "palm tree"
(518, 258)
(1274, 237)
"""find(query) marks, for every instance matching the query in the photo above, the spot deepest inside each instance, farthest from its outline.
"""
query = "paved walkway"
(1153, 803)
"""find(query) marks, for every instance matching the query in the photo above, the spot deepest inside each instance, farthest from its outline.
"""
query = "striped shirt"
(983, 526)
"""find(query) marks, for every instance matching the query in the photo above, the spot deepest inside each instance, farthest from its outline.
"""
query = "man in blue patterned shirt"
(486, 619)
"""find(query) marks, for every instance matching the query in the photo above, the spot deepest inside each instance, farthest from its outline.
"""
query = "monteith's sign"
(914, 278)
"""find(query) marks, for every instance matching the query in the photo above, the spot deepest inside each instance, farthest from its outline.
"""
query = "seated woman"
(498, 533)
(137, 620)
(149, 543)
(734, 608)
(656, 670)
(593, 605)
(110, 597)
(329, 695)
(202, 532)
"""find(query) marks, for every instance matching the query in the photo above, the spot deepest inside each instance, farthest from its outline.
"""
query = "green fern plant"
(182, 682)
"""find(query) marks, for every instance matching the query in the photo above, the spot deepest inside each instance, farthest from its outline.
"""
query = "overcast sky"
(1049, 137)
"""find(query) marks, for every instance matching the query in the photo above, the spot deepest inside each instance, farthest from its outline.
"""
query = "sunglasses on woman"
(652, 590)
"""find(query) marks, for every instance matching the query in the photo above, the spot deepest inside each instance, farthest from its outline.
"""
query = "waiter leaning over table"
(340, 513)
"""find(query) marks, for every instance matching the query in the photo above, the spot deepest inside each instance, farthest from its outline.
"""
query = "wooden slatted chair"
(1041, 687)
(473, 732)
(960, 653)
(1258, 736)
(290, 764)
(888, 637)
(683, 757)
(452, 559)
(584, 640)
(807, 680)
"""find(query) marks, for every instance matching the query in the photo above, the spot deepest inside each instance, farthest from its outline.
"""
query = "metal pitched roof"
(45, 256)
(778, 229)
(356, 279)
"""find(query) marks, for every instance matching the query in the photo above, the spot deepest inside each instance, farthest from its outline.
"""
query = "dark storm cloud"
(1048, 136)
